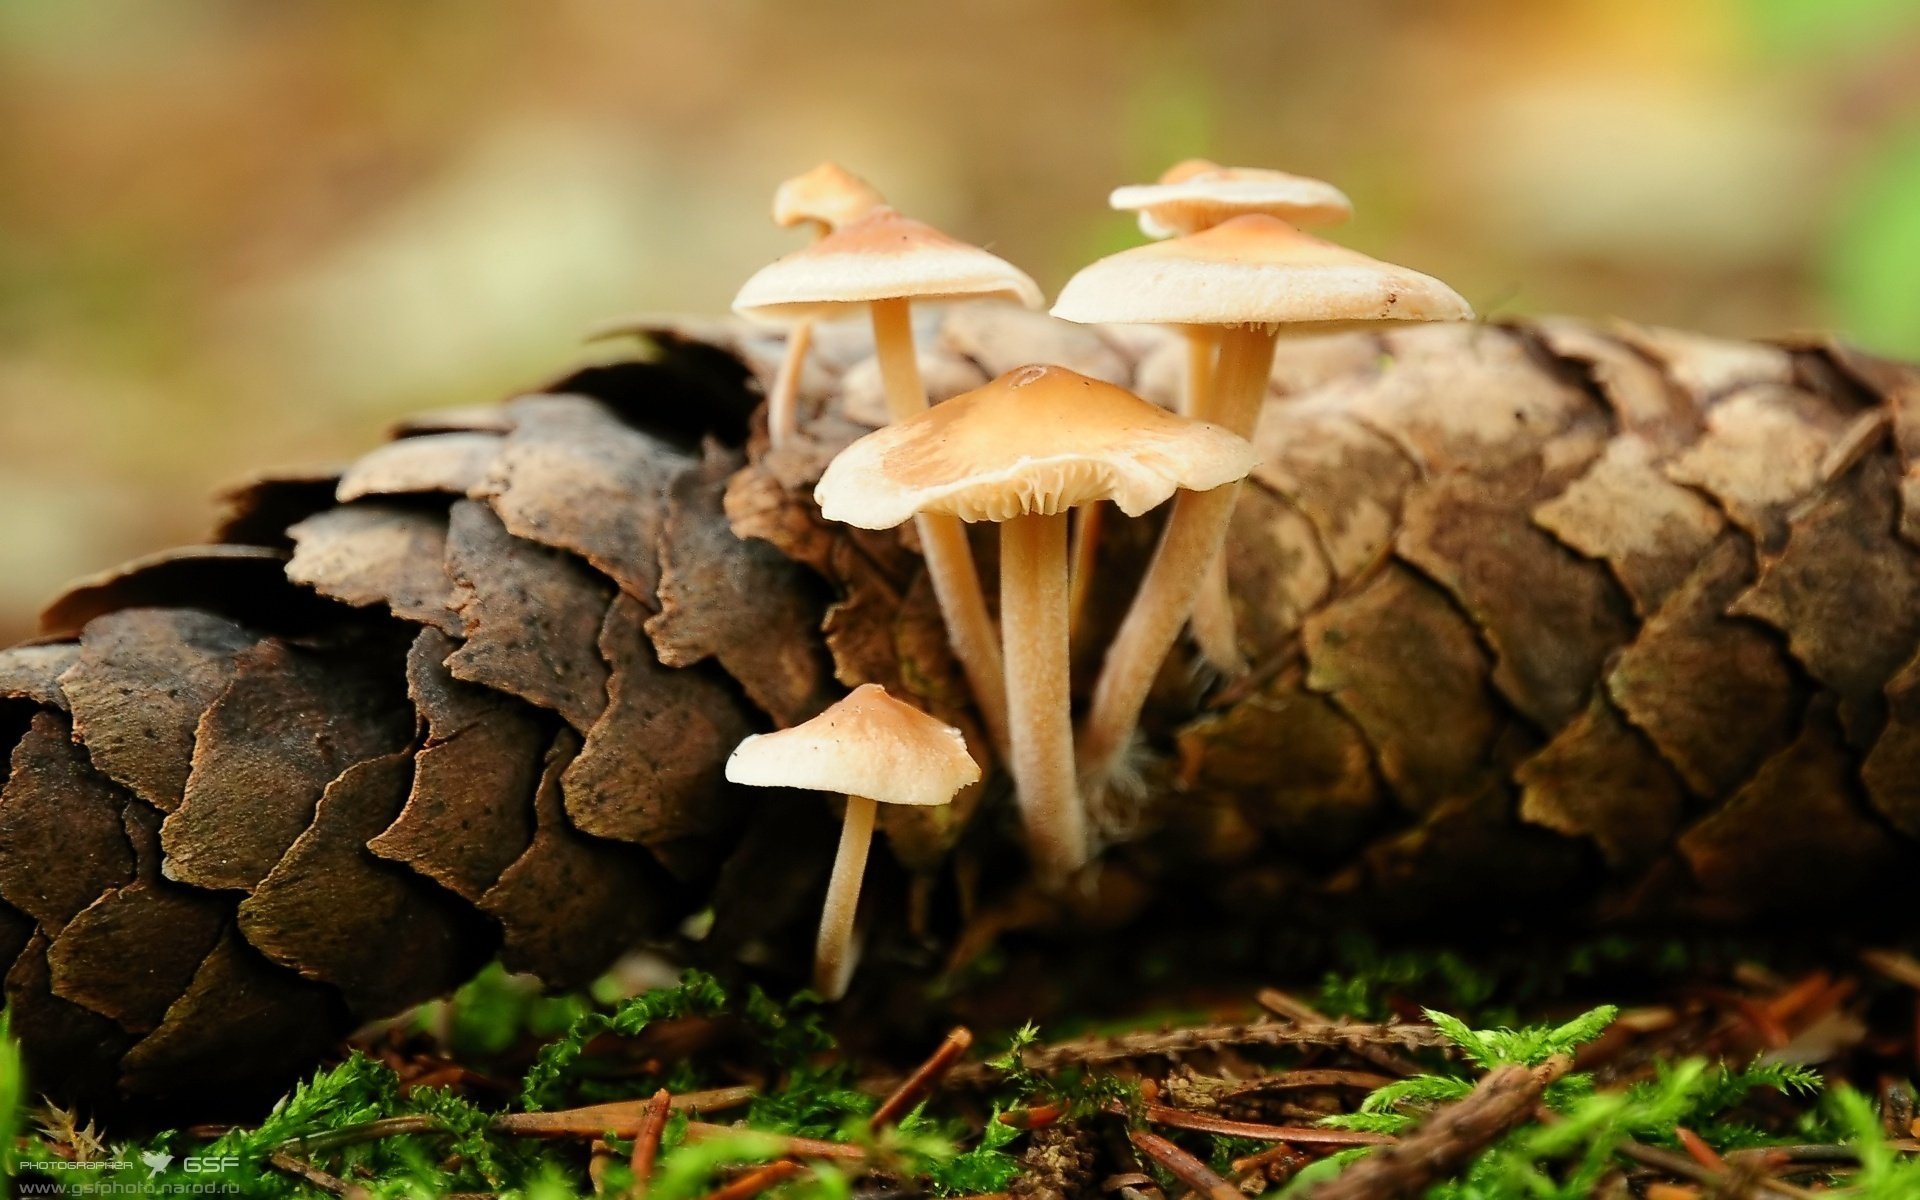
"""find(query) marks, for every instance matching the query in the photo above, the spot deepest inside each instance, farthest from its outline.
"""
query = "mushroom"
(1192, 196)
(1250, 276)
(882, 263)
(1021, 451)
(827, 197)
(1197, 194)
(876, 751)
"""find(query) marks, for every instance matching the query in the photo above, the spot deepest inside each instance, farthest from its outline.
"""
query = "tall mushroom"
(1021, 451)
(876, 751)
(1192, 196)
(1250, 276)
(882, 263)
(827, 197)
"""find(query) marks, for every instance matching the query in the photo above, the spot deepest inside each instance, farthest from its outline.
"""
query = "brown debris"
(1647, 406)
(242, 1021)
(574, 477)
(32, 673)
(738, 601)
(1345, 478)
(1707, 368)
(1295, 765)
(1552, 619)
(453, 463)
(571, 904)
(531, 617)
(143, 679)
(290, 722)
(1795, 834)
(1003, 337)
(378, 554)
(61, 838)
(243, 582)
(1713, 693)
(69, 1052)
(1846, 592)
(1763, 451)
(651, 768)
(469, 813)
(1277, 572)
(1600, 779)
(258, 511)
(166, 928)
(333, 912)
(1626, 512)
(1057, 1164)
(1398, 659)
(1892, 770)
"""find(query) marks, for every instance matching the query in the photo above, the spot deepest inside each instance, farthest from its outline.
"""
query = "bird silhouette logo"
(156, 1162)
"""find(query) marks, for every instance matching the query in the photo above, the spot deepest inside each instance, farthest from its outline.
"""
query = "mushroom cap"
(1253, 270)
(1036, 440)
(868, 744)
(829, 196)
(1196, 194)
(881, 256)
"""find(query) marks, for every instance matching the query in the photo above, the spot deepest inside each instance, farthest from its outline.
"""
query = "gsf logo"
(212, 1165)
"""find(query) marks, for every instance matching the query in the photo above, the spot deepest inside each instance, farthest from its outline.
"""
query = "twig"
(332, 1184)
(784, 1146)
(1300, 1012)
(754, 1183)
(1174, 1042)
(1299, 1135)
(1183, 1166)
(1449, 1139)
(646, 1142)
(621, 1118)
(924, 1079)
(1686, 1168)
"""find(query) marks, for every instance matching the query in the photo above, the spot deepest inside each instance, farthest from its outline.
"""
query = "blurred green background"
(237, 234)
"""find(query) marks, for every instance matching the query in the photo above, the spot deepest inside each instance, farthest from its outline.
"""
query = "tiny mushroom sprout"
(827, 197)
(881, 264)
(1250, 276)
(1021, 451)
(875, 750)
(1191, 196)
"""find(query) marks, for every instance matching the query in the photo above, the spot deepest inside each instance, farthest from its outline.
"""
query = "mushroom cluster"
(1233, 272)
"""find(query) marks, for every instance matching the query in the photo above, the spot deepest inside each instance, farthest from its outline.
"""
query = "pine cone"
(1609, 624)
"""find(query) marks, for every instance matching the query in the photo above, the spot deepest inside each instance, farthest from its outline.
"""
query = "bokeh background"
(236, 235)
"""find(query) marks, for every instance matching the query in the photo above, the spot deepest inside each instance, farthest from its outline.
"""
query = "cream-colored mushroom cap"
(882, 256)
(1196, 194)
(1253, 270)
(867, 745)
(829, 196)
(1036, 440)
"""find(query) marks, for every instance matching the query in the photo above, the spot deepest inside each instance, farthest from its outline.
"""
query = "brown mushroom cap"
(829, 196)
(1252, 270)
(868, 745)
(1196, 194)
(1036, 440)
(881, 256)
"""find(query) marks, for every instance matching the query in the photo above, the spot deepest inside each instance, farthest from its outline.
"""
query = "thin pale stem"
(943, 539)
(1087, 520)
(1033, 607)
(783, 401)
(1203, 342)
(1212, 623)
(1192, 539)
(833, 955)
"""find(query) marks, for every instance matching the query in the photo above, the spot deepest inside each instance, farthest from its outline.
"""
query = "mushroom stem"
(943, 539)
(1202, 343)
(1088, 519)
(1212, 622)
(783, 401)
(833, 955)
(1193, 538)
(1033, 608)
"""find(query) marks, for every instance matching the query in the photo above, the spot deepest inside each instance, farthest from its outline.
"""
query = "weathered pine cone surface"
(1575, 623)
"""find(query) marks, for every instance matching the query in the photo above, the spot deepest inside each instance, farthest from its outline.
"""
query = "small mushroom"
(1021, 452)
(1191, 196)
(876, 751)
(827, 198)
(1249, 276)
(1197, 194)
(881, 264)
